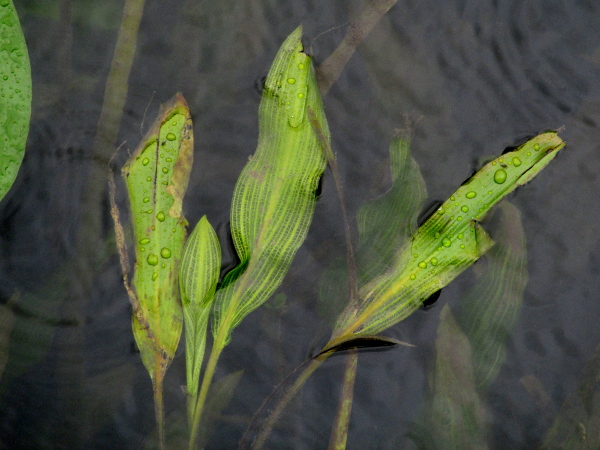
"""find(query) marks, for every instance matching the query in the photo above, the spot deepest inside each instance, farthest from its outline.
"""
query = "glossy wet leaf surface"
(198, 276)
(156, 176)
(275, 196)
(450, 241)
(15, 94)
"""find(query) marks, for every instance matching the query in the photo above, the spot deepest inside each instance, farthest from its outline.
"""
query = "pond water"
(474, 76)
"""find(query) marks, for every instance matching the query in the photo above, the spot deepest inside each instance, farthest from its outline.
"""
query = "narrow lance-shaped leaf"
(15, 91)
(447, 243)
(274, 198)
(156, 176)
(198, 277)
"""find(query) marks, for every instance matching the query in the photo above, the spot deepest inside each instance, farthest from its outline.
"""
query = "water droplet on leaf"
(446, 242)
(423, 265)
(145, 161)
(464, 208)
(291, 80)
(500, 176)
(165, 252)
(144, 241)
(471, 194)
(161, 216)
(152, 259)
(171, 136)
(516, 161)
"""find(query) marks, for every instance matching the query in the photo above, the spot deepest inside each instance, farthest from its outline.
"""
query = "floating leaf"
(156, 176)
(15, 90)
(447, 243)
(274, 198)
(198, 277)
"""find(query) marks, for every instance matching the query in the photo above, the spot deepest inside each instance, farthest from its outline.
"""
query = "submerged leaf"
(198, 277)
(447, 243)
(577, 425)
(385, 223)
(490, 309)
(156, 176)
(274, 198)
(15, 90)
(456, 417)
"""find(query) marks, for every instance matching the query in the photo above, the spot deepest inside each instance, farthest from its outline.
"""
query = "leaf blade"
(156, 176)
(15, 90)
(274, 197)
(450, 241)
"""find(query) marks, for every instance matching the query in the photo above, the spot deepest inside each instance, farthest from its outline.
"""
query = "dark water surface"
(479, 75)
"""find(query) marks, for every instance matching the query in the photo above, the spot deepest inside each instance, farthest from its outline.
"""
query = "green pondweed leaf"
(446, 244)
(198, 277)
(156, 176)
(274, 197)
(15, 90)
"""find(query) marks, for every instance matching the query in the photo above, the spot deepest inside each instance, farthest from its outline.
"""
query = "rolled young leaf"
(198, 277)
(15, 91)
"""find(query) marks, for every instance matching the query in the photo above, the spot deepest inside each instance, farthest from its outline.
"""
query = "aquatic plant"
(15, 91)
(395, 268)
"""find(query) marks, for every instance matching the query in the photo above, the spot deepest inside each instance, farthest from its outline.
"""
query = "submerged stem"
(339, 432)
(159, 411)
(200, 402)
(289, 395)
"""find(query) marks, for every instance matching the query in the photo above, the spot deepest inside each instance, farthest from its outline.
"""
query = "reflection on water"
(481, 75)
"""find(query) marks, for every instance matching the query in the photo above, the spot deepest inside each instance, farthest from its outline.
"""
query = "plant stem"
(209, 373)
(329, 71)
(289, 395)
(339, 432)
(159, 412)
